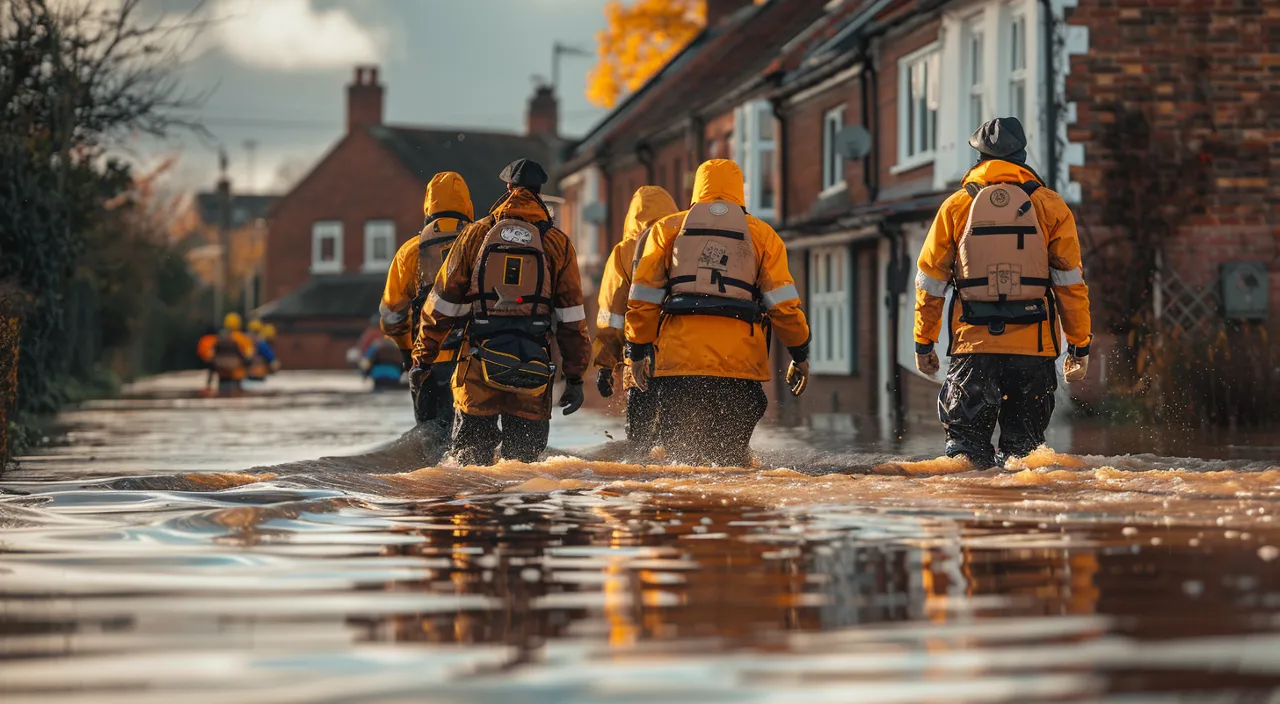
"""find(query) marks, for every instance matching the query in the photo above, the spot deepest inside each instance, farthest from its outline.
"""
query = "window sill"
(833, 189)
(326, 268)
(913, 163)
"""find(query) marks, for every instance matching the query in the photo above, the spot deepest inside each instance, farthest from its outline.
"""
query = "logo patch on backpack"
(518, 236)
(719, 209)
(714, 256)
(999, 198)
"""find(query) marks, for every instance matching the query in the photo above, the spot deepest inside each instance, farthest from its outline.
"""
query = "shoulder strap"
(973, 188)
(1029, 187)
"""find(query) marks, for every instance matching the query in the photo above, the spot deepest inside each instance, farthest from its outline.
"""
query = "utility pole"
(224, 236)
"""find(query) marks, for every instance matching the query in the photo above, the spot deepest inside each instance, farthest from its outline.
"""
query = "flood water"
(295, 545)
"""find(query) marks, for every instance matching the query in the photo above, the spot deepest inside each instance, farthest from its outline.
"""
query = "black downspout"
(644, 154)
(868, 167)
(1051, 81)
(892, 286)
(780, 160)
(779, 202)
(873, 186)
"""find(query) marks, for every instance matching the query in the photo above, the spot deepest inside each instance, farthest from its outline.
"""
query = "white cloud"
(290, 35)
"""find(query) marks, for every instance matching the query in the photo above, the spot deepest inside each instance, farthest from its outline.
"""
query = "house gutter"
(779, 196)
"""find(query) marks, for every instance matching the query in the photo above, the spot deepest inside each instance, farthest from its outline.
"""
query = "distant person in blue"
(383, 364)
(264, 358)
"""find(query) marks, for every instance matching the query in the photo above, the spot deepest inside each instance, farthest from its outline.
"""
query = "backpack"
(713, 265)
(1002, 260)
(511, 308)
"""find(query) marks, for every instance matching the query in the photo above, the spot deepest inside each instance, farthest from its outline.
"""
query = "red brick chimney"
(543, 117)
(364, 99)
(717, 10)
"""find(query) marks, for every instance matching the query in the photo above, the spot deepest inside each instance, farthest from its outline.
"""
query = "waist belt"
(700, 304)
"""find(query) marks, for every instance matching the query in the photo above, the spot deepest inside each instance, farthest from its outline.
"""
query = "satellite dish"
(595, 213)
(853, 142)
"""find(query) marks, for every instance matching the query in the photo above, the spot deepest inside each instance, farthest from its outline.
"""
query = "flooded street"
(177, 548)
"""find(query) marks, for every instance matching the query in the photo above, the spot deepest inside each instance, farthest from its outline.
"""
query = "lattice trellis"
(1184, 306)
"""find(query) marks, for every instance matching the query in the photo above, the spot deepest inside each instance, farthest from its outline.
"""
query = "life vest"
(1002, 262)
(228, 358)
(511, 308)
(433, 249)
(713, 265)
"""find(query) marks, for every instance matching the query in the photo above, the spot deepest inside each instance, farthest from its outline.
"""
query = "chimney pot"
(364, 99)
(543, 116)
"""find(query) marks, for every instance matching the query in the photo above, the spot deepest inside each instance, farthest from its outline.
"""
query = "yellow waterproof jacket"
(648, 205)
(938, 258)
(447, 193)
(702, 345)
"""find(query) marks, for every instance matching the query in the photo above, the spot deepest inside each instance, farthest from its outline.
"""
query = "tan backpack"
(511, 308)
(1002, 263)
(713, 265)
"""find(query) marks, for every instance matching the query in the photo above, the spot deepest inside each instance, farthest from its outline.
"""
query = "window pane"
(831, 282)
(766, 179)
(328, 249)
(1018, 43)
(381, 248)
(764, 124)
(1018, 98)
(975, 112)
(828, 335)
(975, 60)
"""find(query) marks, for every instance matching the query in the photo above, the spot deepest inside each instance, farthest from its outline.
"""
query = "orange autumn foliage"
(638, 41)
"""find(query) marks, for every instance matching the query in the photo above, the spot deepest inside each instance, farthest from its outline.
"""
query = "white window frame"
(831, 318)
(975, 72)
(928, 60)
(373, 231)
(751, 150)
(994, 19)
(832, 161)
(321, 230)
(1018, 72)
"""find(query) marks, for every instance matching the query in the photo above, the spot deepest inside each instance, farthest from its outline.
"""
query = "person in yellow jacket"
(1008, 248)
(710, 288)
(648, 205)
(447, 207)
(229, 355)
(512, 278)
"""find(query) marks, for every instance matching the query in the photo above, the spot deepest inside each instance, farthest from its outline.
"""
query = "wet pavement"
(296, 545)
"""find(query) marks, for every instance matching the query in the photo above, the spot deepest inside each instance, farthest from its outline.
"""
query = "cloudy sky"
(274, 72)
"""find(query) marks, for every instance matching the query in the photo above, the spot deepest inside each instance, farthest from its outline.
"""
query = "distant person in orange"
(229, 355)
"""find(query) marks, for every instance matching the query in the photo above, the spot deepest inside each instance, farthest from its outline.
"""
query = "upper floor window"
(918, 107)
(831, 311)
(1018, 66)
(755, 149)
(975, 76)
(326, 247)
(379, 244)
(832, 161)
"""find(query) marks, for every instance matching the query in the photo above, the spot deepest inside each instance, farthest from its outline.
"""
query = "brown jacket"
(446, 304)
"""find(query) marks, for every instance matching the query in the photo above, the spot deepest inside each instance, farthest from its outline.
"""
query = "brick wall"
(1204, 77)
(317, 344)
(895, 47)
(356, 182)
(805, 142)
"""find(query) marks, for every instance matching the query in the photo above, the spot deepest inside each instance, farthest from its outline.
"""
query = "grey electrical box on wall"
(1245, 290)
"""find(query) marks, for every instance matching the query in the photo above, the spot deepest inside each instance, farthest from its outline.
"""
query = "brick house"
(864, 109)
(332, 237)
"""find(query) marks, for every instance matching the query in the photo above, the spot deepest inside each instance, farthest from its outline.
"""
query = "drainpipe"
(893, 289)
(871, 165)
(780, 155)
(644, 153)
(1051, 80)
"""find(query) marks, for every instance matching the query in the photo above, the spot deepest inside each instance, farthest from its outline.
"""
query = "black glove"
(406, 359)
(604, 382)
(572, 398)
